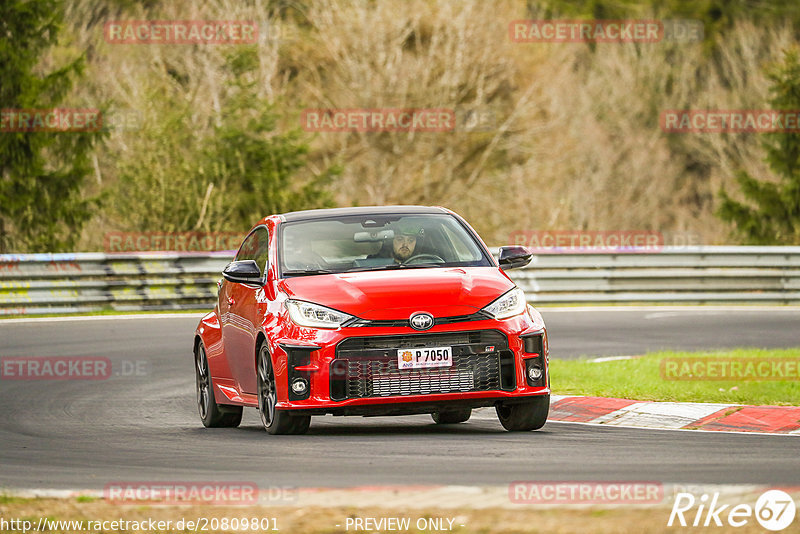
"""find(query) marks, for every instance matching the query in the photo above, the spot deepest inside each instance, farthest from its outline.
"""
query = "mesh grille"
(475, 372)
(363, 369)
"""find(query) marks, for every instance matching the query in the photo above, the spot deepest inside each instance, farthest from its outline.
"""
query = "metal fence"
(68, 283)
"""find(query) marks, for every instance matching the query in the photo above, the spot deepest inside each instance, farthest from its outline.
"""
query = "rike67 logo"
(774, 510)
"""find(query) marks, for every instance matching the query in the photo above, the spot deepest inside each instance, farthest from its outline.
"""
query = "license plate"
(422, 358)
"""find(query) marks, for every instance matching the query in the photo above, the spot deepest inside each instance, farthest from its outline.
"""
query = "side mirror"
(243, 272)
(514, 257)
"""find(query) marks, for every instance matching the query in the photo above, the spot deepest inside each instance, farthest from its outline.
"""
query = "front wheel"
(275, 421)
(530, 415)
(212, 414)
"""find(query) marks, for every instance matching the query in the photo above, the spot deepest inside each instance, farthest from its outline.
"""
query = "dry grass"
(576, 142)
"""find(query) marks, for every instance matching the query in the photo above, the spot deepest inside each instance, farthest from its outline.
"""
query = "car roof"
(362, 210)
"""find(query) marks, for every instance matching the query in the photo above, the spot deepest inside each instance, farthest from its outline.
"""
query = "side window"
(256, 247)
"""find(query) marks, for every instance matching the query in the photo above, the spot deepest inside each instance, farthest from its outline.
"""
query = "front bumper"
(353, 371)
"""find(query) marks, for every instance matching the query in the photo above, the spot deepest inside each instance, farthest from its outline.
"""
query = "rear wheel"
(451, 417)
(525, 416)
(212, 414)
(275, 421)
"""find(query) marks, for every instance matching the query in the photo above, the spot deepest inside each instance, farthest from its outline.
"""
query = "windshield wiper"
(306, 272)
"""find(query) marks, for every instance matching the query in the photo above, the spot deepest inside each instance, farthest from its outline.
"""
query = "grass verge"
(645, 378)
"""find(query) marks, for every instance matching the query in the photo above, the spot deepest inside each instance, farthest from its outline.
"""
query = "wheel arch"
(260, 338)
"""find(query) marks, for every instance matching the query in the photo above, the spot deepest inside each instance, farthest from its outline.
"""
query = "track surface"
(610, 332)
(86, 434)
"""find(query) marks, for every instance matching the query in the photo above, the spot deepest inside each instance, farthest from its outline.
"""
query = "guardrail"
(70, 283)
(81, 282)
(683, 275)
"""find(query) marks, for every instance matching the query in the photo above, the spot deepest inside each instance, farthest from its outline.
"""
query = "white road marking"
(620, 427)
(667, 308)
(660, 414)
(612, 358)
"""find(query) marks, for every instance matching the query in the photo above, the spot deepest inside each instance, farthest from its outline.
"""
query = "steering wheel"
(423, 258)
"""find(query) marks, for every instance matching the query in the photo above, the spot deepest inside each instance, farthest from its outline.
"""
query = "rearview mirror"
(243, 272)
(373, 236)
(514, 257)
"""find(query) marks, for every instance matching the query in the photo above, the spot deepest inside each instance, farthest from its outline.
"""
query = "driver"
(405, 241)
(403, 247)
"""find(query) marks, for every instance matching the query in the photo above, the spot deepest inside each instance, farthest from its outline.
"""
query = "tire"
(451, 417)
(525, 416)
(275, 421)
(212, 415)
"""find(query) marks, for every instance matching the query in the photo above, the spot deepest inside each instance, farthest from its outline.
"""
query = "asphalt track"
(144, 427)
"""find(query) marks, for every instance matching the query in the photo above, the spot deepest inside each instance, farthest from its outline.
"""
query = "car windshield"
(370, 242)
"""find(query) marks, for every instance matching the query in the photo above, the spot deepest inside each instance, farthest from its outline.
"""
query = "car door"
(240, 327)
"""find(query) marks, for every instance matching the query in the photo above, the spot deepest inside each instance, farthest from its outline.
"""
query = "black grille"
(350, 347)
(367, 366)
(399, 323)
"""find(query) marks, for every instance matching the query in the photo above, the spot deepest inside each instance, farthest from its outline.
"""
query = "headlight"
(309, 314)
(510, 304)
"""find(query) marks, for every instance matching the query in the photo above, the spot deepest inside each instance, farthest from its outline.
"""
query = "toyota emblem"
(421, 321)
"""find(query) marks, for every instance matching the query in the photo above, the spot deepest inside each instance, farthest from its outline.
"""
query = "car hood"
(441, 291)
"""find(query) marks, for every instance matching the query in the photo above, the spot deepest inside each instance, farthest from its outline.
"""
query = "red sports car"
(392, 310)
